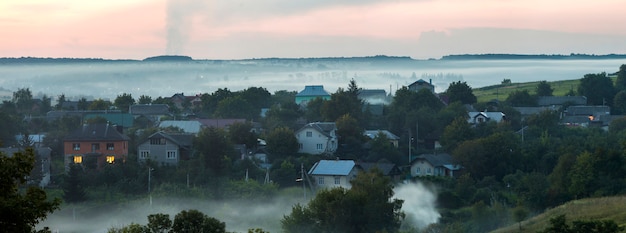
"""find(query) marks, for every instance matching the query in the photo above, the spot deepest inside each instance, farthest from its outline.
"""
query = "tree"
(21, 210)
(73, 188)
(544, 89)
(456, 133)
(214, 148)
(619, 102)
(313, 112)
(367, 207)
(123, 102)
(460, 91)
(349, 132)
(159, 223)
(241, 133)
(521, 98)
(23, 100)
(196, 221)
(144, 99)
(236, 107)
(82, 104)
(46, 105)
(60, 100)
(617, 125)
(99, 104)
(598, 88)
(344, 102)
(282, 142)
(620, 83)
(520, 214)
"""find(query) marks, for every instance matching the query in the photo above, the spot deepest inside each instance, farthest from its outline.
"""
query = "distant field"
(604, 208)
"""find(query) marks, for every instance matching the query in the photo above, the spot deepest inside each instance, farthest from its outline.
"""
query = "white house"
(434, 165)
(317, 138)
(334, 173)
(482, 117)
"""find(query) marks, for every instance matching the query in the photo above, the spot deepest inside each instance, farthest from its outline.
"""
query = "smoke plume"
(419, 205)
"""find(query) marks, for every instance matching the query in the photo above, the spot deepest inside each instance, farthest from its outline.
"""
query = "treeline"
(497, 56)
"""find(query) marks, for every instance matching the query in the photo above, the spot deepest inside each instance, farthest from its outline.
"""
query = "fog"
(239, 215)
(106, 80)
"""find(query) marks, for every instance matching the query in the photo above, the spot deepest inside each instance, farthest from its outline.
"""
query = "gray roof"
(561, 100)
(496, 116)
(186, 126)
(332, 167)
(373, 133)
(323, 127)
(99, 132)
(525, 111)
(149, 109)
(388, 169)
(182, 140)
(220, 123)
(317, 90)
(587, 110)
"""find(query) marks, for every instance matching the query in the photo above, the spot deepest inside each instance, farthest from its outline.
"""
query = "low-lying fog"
(239, 216)
(107, 80)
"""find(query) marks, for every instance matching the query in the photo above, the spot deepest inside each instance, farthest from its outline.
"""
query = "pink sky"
(236, 29)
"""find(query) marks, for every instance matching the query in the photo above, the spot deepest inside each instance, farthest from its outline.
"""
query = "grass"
(501, 92)
(603, 208)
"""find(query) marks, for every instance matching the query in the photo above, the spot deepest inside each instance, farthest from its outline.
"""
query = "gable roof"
(436, 160)
(332, 167)
(388, 169)
(421, 82)
(182, 140)
(315, 90)
(373, 133)
(561, 100)
(496, 116)
(219, 123)
(149, 109)
(123, 119)
(587, 110)
(97, 132)
(325, 128)
(186, 126)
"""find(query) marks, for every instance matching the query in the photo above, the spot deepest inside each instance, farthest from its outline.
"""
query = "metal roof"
(332, 167)
(313, 91)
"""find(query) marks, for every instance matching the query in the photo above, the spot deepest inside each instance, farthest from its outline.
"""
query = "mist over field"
(106, 80)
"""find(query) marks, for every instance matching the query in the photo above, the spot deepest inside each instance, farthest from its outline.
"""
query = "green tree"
(544, 88)
(456, 133)
(344, 102)
(619, 102)
(350, 133)
(617, 125)
(282, 142)
(521, 98)
(283, 115)
(313, 112)
(620, 83)
(598, 88)
(60, 100)
(241, 133)
(583, 175)
(23, 100)
(283, 96)
(123, 102)
(99, 104)
(73, 188)
(460, 91)
(520, 214)
(144, 99)
(21, 210)
(46, 105)
(82, 104)
(236, 107)
(159, 223)
(367, 207)
(258, 97)
(382, 148)
(188, 221)
(214, 148)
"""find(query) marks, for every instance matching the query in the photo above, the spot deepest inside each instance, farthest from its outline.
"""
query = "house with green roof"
(310, 93)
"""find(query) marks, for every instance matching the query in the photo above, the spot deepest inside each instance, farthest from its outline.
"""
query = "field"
(501, 92)
(603, 208)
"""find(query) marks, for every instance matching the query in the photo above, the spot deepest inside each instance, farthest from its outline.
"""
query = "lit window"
(110, 159)
(337, 180)
(110, 146)
(144, 154)
(76, 146)
(309, 134)
(320, 146)
(78, 159)
(171, 154)
(320, 180)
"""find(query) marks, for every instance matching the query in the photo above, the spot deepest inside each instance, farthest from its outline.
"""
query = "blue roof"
(332, 167)
(313, 91)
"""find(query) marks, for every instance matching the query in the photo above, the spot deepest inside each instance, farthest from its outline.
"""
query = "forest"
(512, 170)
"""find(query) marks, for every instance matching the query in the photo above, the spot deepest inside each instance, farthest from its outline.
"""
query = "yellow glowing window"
(78, 159)
(110, 159)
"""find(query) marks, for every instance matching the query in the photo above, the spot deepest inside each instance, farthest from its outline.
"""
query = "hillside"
(502, 91)
(603, 208)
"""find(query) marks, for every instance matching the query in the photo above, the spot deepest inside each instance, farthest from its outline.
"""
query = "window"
(110, 146)
(78, 159)
(76, 146)
(320, 146)
(157, 141)
(428, 171)
(300, 145)
(320, 180)
(110, 158)
(417, 170)
(95, 147)
(144, 154)
(337, 180)
(309, 134)
(171, 154)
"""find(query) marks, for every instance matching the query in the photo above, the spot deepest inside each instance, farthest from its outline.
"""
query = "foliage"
(544, 89)
(366, 207)
(313, 111)
(460, 91)
(350, 133)
(159, 223)
(620, 83)
(281, 142)
(344, 102)
(23, 100)
(241, 133)
(73, 188)
(455, 133)
(521, 98)
(282, 115)
(617, 125)
(196, 221)
(99, 104)
(598, 88)
(619, 102)
(144, 99)
(559, 224)
(124, 101)
(236, 107)
(21, 210)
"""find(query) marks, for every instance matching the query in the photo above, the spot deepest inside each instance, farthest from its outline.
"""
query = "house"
(482, 117)
(181, 101)
(95, 145)
(153, 112)
(317, 138)
(219, 123)
(41, 170)
(192, 127)
(393, 139)
(374, 96)
(333, 173)
(310, 93)
(124, 120)
(434, 165)
(387, 168)
(558, 101)
(421, 84)
(165, 149)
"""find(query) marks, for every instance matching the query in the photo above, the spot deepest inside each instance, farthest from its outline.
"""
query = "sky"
(242, 29)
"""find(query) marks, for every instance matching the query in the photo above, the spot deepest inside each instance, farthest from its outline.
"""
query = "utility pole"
(303, 184)
(410, 138)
